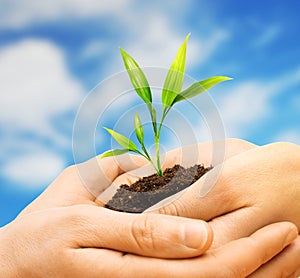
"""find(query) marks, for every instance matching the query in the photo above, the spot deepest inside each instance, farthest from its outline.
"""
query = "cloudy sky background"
(52, 53)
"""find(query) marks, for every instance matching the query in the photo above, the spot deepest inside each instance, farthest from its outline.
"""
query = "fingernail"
(195, 235)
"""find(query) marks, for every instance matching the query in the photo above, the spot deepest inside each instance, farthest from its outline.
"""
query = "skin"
(72, 243)
(254, 187)
(258, 186)
(94, 248)
(81, 241)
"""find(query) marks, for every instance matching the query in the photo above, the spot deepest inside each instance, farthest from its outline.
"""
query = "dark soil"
(148, 191)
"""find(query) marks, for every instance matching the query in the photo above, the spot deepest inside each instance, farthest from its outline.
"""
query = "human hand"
(89, 241)
(83, 241)
(83, 183)
(69, 189)
(239, 221)
(255, 188)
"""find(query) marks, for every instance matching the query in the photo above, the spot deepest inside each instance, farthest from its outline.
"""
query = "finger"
(284, 264)
(192, 205)
(233, 216)
(237, 259)
(262, 246)
(82, 183)
(143, 234)
(232, 189)
(208, 153)
(98, 173)
(220, 183)
(238, 223)
(296, 274)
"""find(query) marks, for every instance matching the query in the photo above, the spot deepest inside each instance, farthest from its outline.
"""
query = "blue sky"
(52, 53)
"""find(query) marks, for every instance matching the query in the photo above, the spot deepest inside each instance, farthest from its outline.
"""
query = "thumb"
(144, 234)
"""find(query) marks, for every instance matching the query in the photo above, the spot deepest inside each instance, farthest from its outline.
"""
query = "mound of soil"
(148, 191)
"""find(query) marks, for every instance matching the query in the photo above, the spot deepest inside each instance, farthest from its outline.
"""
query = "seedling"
(171, 94)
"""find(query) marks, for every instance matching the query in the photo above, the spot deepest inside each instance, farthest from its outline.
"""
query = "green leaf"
(139, 131)
(125, 142)
(137, 77)
(174, 80)
(200, 87)
(114, 153)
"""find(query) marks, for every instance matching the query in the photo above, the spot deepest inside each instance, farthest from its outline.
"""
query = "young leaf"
(114, 152)
(139, 131)
(137, 77)
(200, 87)
(174, 80)
(125, 142)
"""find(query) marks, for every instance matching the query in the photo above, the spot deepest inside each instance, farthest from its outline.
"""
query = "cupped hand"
(252, 189)
(79, 254)
(88, 241)
(255, 186)
(83, 183)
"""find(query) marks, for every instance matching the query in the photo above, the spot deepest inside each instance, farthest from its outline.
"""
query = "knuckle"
(286, 148)
(242, 144)
(143, 231)
(80, 227)
(264, 255)
(77, 216)
(69, 171)
(170, 209)
(228, 177)
(230, 271)
(288, 153)
(226, 270)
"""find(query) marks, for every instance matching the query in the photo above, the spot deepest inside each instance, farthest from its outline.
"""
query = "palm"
(82, 184)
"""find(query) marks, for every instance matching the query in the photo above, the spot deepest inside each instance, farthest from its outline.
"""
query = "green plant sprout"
(171, 93)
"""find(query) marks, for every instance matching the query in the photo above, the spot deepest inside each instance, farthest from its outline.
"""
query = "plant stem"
(146, 155)
(156, 138)
(157, 141)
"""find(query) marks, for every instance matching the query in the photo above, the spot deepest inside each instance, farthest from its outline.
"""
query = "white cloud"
(95, 48)
(158, 46)
(35, 87)
(36, 90)
(153, 37)
(16, 14)
(34, 169)
(248, 102)
(245, 104)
